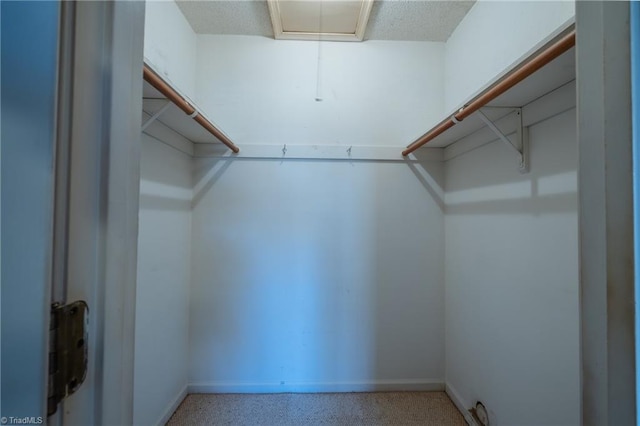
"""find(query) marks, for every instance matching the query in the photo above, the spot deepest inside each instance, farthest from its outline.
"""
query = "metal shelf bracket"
(155, 116)
(521, 143)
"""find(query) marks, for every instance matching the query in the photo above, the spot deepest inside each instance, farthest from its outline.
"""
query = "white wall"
(170, 45)
(365, 315)
(260, 90)
(326, 275)
(512, 291)
(316, 275)
(164, 275)
(491, 37)
(310, 275)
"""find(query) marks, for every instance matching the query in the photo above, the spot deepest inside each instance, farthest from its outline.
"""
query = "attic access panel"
(333, 20)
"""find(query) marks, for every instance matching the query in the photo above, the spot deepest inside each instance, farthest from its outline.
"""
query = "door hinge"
(67, 351)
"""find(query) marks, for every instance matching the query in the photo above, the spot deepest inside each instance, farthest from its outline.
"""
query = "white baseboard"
(321, 387)
(460, 405)
(173, 406)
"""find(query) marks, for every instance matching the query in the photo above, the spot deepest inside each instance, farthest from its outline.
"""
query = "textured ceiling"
(390, 19)
(415, 20)
(228, 17)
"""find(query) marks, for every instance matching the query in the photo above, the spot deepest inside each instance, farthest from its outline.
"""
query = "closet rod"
(159, 84)
(531, 65)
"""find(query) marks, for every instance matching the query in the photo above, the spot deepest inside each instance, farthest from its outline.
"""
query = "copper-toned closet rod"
(161, 86)
(531, 65)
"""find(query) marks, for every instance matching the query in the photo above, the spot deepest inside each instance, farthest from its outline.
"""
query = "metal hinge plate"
(67, 351)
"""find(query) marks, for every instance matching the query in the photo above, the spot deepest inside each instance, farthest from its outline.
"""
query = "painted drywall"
(265, 91)
(170, 45)
(329, 275)
(492, 37)
(164, 274)
(512, 290)
(316, 276)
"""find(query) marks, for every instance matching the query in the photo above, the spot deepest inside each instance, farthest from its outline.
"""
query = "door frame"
(97, 196)
(605, 179)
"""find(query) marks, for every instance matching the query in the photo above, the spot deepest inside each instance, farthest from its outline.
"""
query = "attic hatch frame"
(280, 34)
(529, 66)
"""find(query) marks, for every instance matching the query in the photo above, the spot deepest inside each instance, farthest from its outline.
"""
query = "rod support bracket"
(155, 116)
(520, 145)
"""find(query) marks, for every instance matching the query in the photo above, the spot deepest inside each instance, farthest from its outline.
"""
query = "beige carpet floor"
(377, 408)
